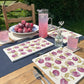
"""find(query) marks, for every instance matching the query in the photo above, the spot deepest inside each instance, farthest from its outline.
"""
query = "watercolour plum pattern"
(65, 34)
(26, 48)
(61, 65)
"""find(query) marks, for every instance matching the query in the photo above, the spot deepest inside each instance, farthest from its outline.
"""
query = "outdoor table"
(20, 72)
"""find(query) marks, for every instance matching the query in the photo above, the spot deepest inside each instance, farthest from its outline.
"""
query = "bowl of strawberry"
(24, 28)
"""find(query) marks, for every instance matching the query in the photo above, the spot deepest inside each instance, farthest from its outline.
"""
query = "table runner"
(6, 66)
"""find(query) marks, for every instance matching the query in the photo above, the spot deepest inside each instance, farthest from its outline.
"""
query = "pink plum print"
(23, 53)
(14, 55)
(68, 54)
(64, 38)
(32, 44)
(63, 81)
(37, 43)
(48, 64)
(80, 69)
(54, 53)
(70, 63)
(62, 57)
(59, 51)
(43, 45)
(47, 58)
(13, 51)
(22, 44)
(9, 49)
(56, 72)
(54, 34)
(75, 58)
(41, 61)
(16, 47)
(20, 50)
(38, 47)
(27, 42)
(64, 69)
(29, 50)
(47, 43)
(75, 73)
(25, 46)
(57, 61)
(44, 41)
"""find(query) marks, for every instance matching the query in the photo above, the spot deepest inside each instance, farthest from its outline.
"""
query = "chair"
(15, 6)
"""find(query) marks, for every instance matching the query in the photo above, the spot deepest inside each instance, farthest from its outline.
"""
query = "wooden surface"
(25, 76)
(15, 6)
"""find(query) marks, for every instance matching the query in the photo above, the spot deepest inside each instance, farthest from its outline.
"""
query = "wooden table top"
(24, 75)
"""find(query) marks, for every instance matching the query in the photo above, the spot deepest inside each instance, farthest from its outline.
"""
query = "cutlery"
(37, 76)
(41, 74)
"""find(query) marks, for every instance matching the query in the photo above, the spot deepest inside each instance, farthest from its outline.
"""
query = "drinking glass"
(43, 22)
(4, 36)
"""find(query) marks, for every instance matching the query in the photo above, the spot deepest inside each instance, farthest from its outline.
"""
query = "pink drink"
(43, 23)
(72, 43)
(4, 36)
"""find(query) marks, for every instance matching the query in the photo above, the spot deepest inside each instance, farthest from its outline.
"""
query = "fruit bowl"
(34, 30)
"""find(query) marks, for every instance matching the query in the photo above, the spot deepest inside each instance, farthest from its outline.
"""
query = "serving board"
(61, 66)
(26, 48)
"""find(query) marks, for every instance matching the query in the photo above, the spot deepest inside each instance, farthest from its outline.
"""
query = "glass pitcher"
(43, 22)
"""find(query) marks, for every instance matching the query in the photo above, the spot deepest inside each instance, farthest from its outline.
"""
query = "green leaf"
(79, 60)
(45, 67)
(67, 75)
(72, 77)
(36, 59)
(51, 59)
(51, 74)
(56, 67)
(67, 79)
(72, 70)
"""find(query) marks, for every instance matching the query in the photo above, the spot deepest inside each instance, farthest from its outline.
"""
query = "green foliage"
(70, 11)
(61, 9)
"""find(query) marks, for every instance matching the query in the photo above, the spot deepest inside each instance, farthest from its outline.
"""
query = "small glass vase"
(59, 39)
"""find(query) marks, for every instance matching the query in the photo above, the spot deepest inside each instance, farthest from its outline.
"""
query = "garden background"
(71, 11)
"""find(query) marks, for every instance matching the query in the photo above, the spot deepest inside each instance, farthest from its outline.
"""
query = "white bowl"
(34, 30)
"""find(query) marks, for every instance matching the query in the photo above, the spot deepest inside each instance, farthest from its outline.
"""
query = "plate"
(34, 30)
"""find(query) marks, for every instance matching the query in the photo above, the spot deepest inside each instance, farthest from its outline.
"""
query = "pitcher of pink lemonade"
(43, 22)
